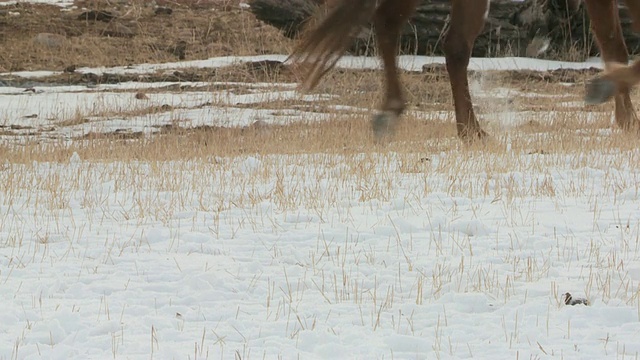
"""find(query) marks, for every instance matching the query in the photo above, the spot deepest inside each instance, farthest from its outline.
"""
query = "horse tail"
(323, 47)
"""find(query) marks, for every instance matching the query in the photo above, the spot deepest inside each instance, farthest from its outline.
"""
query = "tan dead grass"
(549, 125)
(571, 133)
(208, 32)
(224, 29)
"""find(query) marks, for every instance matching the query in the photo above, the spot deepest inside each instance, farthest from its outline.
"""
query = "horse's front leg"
(389, 19)
(467, 21)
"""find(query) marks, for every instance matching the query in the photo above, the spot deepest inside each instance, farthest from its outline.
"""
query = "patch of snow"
(61, 3)
(407, 62)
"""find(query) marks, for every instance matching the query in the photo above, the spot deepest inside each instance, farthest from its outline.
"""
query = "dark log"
(509, 30)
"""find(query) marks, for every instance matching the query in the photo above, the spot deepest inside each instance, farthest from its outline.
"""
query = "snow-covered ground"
(444, 255)
(73, 111)
(406, 62)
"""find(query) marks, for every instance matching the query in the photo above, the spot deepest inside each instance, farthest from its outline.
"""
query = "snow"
(100, 107)
(48, 106)
(61, 3)
(406, 62)
(310, 256)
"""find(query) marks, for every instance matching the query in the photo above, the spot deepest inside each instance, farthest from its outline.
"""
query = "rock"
(119, 30)
(179, 50)
(217, 49)
(510, 27)
(90, 77)
(259, 124)
(260, 127)
(163, 11)
(265, 67)
(141, 96)
(570, 300)
(184, 34)
(49, 40)
(537, 46)
(97, 15)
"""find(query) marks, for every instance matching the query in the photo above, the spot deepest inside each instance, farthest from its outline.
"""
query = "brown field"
(220, 28)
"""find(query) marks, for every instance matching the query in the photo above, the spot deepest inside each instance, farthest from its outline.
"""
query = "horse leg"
(467, 21)
(388, 21)
(617, 78)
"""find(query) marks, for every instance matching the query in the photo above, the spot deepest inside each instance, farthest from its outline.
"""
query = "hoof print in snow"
(570, 300)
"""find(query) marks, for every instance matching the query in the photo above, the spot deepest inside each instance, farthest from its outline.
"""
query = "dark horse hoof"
(383, 124)
(599, 90)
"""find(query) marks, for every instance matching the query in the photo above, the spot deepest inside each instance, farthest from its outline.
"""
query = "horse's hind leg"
(618, 78)
(388, 21)
(467, 21)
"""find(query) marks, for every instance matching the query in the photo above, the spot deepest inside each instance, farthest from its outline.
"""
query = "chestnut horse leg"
(617, 78)
(467, 21)
(388, 21)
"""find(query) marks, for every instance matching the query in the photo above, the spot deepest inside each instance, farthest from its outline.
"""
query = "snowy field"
(63, 112)
(379, 255)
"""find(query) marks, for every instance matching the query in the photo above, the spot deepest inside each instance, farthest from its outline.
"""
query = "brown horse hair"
(322, 48)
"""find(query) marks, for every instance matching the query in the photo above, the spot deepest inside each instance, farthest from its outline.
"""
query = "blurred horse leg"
(322, 48)
(388, 21)
(618, 77)
(467, 21)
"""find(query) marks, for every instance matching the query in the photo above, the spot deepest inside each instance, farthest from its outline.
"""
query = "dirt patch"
(106, 33)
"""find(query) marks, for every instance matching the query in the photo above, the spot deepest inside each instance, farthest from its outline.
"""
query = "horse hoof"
(383, 124)
(599, 90)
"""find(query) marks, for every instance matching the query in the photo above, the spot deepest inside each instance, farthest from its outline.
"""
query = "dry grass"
(548, 125)
(207, 32)
(347, 135)
(427, 127)
(133, 180)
